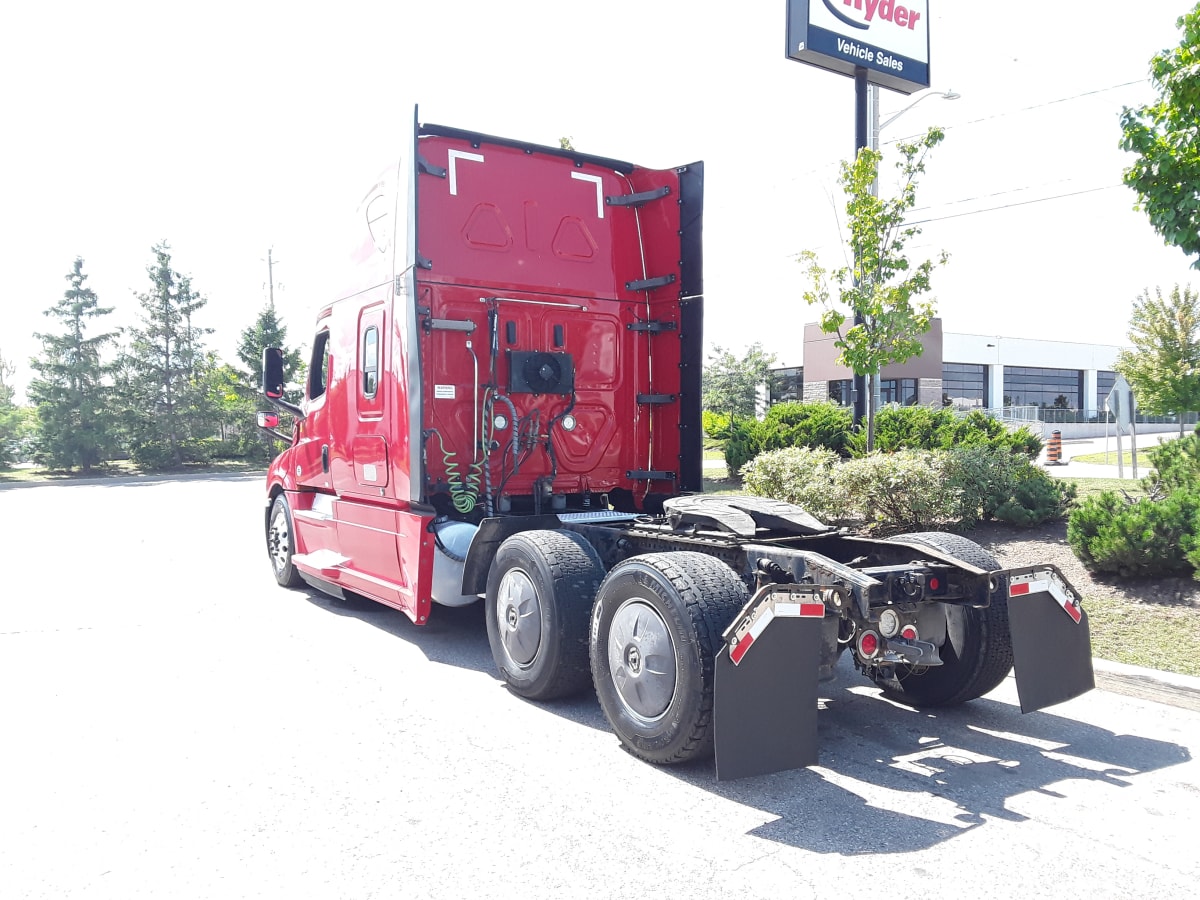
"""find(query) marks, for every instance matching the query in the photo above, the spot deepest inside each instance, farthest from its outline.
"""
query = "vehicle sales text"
(867, 55)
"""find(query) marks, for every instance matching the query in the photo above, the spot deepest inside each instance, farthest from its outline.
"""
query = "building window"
(964, 386)
(1047, 388)
(1104, 384)
(898, 390)
(786, 385)
(839, 392)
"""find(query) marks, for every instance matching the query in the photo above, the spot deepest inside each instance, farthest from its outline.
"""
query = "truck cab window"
(370, 362)
(318, 378)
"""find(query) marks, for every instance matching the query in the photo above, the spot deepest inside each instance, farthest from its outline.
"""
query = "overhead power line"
(1025, 109)
(974, 212)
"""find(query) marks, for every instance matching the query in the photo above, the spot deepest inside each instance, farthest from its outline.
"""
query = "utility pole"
(271, 277)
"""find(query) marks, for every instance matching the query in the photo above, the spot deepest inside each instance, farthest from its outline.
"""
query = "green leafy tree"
(873, 306)
(1165, 138)
(1163, 368)
(731, 383)
(11, 419)
(76, 427)
(167, 401)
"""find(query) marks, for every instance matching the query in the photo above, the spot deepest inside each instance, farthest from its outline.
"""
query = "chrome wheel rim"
(279, 539)
(519, 617)
(641, 658)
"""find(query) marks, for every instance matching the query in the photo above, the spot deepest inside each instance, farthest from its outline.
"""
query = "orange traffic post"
(1054, 449)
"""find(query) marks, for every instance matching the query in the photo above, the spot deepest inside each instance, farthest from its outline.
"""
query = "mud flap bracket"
(765, 695)
(1052, 644)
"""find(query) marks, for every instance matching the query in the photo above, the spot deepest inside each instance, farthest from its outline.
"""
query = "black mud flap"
(1052, 645)
(765, 696)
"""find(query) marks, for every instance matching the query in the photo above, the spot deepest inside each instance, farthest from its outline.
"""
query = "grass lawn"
(1110, 459)
(120, 469)
(1157, 637)
(1086, 487)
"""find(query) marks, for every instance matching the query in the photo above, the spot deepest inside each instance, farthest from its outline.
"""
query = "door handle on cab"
(324, 457)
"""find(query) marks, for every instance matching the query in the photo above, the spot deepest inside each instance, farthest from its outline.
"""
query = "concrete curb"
(1170, 688)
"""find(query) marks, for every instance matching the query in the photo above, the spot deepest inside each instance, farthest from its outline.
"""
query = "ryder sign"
(888, 38)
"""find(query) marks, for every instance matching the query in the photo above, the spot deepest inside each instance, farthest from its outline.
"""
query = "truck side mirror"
(272, 373)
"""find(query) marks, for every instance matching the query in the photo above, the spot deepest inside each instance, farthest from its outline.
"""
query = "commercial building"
(1060, 385)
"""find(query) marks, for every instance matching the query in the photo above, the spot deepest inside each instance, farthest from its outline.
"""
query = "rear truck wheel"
(978, 652)
(540, 590)
(281, 543)
(656, 628)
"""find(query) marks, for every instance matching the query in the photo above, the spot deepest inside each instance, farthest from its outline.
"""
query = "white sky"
(229, 128)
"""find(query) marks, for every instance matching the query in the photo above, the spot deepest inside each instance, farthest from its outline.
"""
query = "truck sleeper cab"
(505, 403)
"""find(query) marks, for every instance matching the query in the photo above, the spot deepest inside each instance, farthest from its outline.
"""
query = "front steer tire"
(540, 590)
(984, 655)
(656, 630)
(281, 543)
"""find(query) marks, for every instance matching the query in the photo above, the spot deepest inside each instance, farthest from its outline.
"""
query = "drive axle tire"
(281, 543)
(540, 590)
(977, 654)
(656, 629)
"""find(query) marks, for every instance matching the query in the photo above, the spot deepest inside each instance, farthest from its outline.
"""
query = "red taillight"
(935, 583)
(868, 644)
(909, 633)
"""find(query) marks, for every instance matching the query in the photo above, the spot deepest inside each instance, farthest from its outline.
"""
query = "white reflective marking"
(599, 182)
(454, 156)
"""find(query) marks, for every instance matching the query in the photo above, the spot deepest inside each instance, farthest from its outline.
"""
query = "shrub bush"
(911, 489)
(923, 428)
(715, 425)
(798, 475)
(807, 425)
(1036, 498)
(1141, 538)
(904, 491)
(1176, 465)
(740, 446)
(998, 483)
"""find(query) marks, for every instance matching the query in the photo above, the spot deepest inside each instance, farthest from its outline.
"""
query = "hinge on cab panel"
(638, 199)
(649, 284)
(428, 168)
(653, 399)
(649, 475)
(654, 326)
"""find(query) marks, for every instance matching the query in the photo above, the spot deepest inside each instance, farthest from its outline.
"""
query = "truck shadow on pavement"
(921, 777)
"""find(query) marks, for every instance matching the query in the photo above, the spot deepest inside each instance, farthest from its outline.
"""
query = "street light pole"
(872, 105)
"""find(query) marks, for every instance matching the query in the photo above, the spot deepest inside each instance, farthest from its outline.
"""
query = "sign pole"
(862, 139)
(1133, 431)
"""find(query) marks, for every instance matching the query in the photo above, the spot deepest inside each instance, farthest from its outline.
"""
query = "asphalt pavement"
(1068, 468)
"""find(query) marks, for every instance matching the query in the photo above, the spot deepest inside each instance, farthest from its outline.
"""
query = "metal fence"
(1030, 415)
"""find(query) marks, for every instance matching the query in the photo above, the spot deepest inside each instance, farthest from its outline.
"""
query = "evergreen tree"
(10, 414)
(168, 412)
(75, 424)
(267, 331)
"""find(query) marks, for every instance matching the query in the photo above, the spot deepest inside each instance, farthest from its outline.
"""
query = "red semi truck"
(505, 404)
